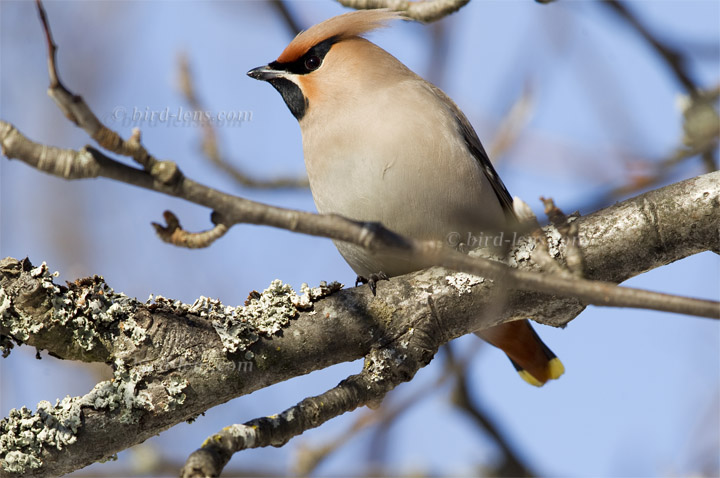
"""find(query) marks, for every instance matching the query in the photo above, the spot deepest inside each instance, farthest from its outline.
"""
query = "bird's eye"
(312, 63)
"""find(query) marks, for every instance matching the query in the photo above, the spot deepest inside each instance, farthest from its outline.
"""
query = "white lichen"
(137, 333)
(379, 363)
(264, 314)
(89, 306)
(463, 282)
(174, 387)
(24, 434)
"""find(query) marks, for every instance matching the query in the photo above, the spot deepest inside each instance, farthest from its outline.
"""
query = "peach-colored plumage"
(345, 26)
(383, 145)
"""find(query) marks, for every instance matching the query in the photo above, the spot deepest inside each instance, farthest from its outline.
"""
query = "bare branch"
(512, 465)
(372, 236)
(77, 111)
(674, 60)
(427, 11)
(174, 234)
(210, 146)
(288, 18)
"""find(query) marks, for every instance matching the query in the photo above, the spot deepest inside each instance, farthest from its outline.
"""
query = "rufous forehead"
(342, 27)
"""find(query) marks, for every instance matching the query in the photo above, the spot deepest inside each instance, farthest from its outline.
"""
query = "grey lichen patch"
(88, 307)
(20, 326)
(122, 392)
(235, 332)
(523, 251)
(135, 331)
(463, 282)
(126, 382)
(174, 387)
(263, 314)
(313, 294)
(24, 434)
(104, 395)
(249, 434)
(554, 240)
(5, 317)
(380, 363)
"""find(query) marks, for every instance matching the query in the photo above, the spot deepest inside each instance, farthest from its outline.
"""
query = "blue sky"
(642, 390)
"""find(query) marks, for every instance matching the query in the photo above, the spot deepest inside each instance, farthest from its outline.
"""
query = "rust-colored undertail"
(533, 360)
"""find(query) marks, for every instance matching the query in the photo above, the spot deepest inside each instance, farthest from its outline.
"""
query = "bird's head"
(330, 63)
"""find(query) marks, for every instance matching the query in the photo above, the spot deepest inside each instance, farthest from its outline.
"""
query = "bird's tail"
(533, 360)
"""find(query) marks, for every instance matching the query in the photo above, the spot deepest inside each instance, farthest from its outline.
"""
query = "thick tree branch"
(89, 163)
(174, 361)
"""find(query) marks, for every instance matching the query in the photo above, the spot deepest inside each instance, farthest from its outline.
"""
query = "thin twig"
(288, 18)
(174, 234)
(513, 465)
(77, 111)
(674, 60)
(211, 148)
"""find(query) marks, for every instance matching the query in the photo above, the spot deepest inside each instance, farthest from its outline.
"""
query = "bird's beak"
(265, 73)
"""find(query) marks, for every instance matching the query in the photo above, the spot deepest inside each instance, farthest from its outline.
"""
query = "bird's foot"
(371, 280)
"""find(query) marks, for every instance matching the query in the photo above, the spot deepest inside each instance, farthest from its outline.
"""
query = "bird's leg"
(371, 280)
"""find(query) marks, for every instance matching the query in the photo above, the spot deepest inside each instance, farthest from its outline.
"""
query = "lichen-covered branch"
(384, 369)
(172, 361)
(168, 179)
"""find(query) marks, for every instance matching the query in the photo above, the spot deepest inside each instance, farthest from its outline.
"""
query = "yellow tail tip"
(555, 369)
(525, 375)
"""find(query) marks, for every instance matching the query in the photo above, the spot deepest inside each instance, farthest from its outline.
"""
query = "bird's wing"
(478, 152)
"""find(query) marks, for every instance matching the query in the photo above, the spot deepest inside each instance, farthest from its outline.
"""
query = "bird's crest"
(341, 27)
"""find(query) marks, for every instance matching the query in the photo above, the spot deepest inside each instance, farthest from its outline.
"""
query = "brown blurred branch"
(674, 59)
(512, 465)
(512, 124)
(281, 7)
(211, 148)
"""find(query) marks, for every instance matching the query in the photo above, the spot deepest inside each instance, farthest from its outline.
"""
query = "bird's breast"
(405, 166)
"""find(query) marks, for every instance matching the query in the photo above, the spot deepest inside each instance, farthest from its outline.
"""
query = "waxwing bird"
(382, 144)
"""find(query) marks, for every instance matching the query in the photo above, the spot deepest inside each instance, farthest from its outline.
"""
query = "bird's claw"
(371, 281)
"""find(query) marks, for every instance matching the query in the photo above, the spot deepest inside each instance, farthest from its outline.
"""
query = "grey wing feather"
(476, 149)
